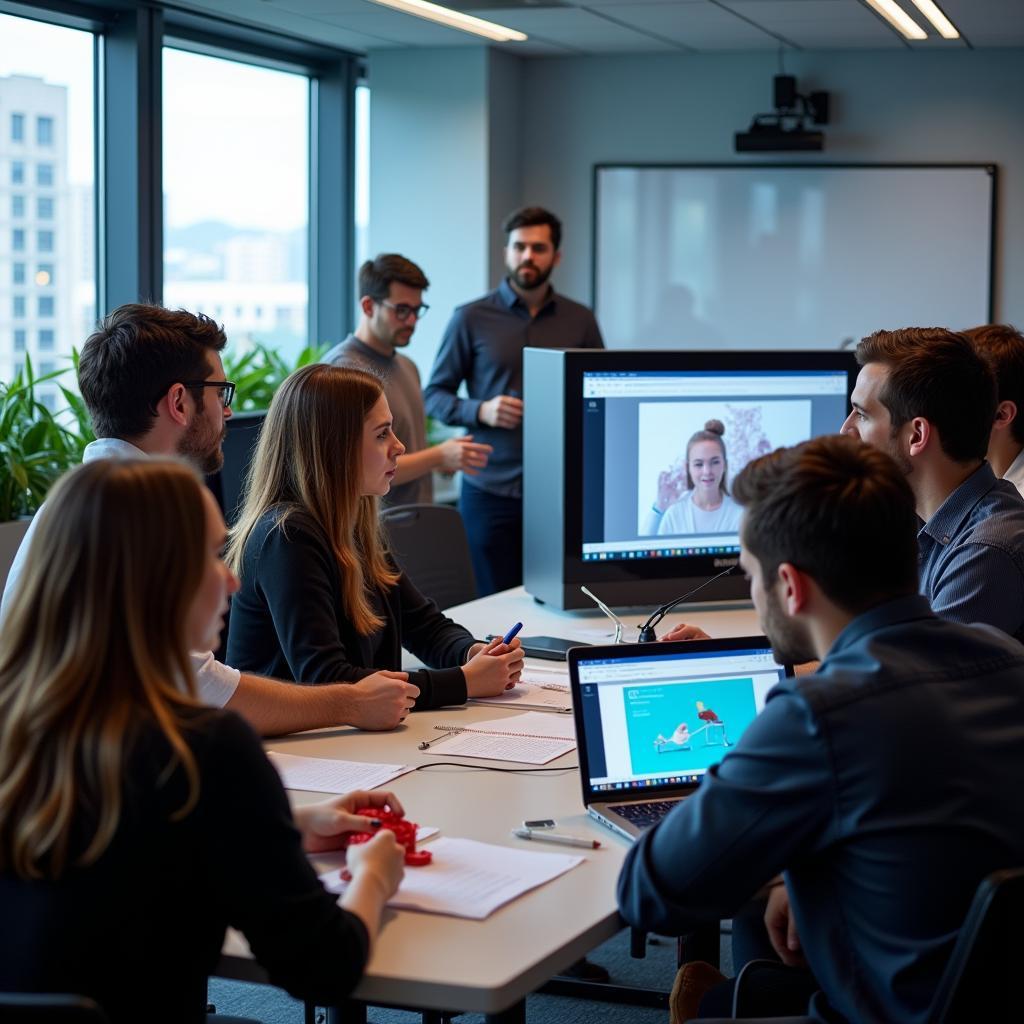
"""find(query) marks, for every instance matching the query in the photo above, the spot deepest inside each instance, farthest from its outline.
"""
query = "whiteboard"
(808, 256)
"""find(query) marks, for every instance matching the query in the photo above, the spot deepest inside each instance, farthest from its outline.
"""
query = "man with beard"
(926, 397)
(845, 782)
(391, 300)
(153, 381)
(483, 347)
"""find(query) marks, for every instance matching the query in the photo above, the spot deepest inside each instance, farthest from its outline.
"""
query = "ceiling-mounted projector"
(785, 130)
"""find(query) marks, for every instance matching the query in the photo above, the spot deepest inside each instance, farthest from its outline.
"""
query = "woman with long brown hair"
(135, 823)
(321, 600)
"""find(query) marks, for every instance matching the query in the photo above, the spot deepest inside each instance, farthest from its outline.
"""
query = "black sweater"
(140, 930)
(288, 621)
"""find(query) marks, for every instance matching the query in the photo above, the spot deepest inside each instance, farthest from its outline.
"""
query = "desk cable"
(490, 768)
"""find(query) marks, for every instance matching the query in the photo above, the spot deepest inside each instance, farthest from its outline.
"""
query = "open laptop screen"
(657, 715)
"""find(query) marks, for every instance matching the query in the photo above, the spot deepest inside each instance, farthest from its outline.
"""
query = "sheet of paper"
(523, 749)
(470, 879)
(325, 775)
(530, 693)
(530, 723)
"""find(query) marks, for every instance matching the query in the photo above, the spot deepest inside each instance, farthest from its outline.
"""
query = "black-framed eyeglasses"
(225, 389)
(403, 310)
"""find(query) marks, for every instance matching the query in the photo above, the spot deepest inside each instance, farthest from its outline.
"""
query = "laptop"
(651, 719)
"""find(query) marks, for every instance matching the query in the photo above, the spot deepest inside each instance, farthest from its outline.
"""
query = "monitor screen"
(663, 719)
(662, 447)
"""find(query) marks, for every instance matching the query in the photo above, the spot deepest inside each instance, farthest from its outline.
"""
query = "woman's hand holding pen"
(493, 668)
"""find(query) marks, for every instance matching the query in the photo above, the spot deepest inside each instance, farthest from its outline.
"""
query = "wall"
(900, 106)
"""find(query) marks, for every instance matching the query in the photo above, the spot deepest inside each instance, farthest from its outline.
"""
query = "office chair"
(429, 544)
(23, 1008)
(979, 982)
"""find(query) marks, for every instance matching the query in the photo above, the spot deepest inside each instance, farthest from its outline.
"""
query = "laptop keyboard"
(644, 815)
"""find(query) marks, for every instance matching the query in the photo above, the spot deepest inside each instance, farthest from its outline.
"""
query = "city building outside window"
(44, 131)
(236, 224)
(18, 307)
(17, 206)
(47, 79)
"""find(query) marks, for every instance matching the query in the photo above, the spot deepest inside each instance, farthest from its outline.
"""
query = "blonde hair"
(714, 430)
(95, 640)
(309, 459)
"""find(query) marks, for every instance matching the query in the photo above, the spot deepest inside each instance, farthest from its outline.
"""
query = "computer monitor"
(613, 502)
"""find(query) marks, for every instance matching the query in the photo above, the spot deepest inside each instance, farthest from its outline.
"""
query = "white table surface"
(429, 961)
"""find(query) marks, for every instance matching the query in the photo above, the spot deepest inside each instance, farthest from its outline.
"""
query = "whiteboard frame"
(991, 169)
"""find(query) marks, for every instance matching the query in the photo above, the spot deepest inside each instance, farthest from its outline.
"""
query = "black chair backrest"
(980, 981)
(23, 1008)
(429, 543)
(241, 432)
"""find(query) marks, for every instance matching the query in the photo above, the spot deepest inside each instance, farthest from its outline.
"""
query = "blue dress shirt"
(885, 786)
(483, 346)
(972, 554)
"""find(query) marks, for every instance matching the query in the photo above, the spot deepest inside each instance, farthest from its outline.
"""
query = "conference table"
(430, 962)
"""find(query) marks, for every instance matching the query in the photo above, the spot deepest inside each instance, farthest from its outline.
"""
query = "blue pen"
(510, 635)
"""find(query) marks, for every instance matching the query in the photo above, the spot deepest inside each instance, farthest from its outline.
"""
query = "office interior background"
(240, 157)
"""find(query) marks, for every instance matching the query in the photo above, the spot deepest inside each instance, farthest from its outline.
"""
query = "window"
(46, 78)
(46, 340)
(20, 335)
(44, 131)
(46, 367)
(18, 307)
(17, 206)
(236, 222)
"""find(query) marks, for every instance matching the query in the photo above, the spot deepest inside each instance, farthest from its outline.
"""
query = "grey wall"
(901, 106)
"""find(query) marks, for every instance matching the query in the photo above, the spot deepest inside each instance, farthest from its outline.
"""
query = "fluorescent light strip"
(455, 19)
(898, 18)
(942, 24)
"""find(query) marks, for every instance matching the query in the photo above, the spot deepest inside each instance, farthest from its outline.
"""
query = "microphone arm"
(619, 624)
(647, 634)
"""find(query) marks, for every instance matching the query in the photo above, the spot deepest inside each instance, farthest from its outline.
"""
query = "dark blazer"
(288, 621)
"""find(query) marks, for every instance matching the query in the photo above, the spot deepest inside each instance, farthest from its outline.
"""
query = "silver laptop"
(651, 719)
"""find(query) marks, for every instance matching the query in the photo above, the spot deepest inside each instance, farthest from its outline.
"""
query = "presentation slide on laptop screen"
(666, 720)
(642, 496)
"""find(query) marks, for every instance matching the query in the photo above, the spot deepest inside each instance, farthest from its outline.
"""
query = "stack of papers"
(542, 687)
(530, 738)
(470, 879)
(325, 775)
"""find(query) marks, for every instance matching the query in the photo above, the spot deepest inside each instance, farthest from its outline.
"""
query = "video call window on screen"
(669, 502)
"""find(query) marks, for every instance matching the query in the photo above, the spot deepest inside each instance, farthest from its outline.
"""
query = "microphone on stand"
(647, 634)
(619, 624)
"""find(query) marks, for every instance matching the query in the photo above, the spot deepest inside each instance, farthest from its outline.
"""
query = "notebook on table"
(651, 719)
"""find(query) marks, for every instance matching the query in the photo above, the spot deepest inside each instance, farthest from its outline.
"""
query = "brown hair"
(714, 430)
(135, 354)
(95, 640)
(936, 374)
(309, 458)
(377, 275)
(532, 217)
(839, 510)
(1002, 348)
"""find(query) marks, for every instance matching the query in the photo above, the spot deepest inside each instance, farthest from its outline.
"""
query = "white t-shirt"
(216, 683)
(684, 517)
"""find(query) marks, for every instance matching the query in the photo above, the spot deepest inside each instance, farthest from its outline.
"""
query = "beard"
(202, 447)
(897, 454)
(540, 276)
(790, 641)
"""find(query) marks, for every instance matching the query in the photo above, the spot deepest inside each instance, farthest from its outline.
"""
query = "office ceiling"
(577, 27)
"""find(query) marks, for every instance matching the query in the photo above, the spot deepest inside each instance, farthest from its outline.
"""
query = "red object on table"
(403, 830)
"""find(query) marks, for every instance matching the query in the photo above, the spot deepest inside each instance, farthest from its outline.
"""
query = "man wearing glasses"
(153, 381)
(391, 300)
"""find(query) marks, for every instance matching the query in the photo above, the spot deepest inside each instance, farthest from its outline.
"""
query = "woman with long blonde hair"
(321, 599)
(135, 823)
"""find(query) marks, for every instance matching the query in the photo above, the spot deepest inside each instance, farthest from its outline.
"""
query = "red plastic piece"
(404, 832)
